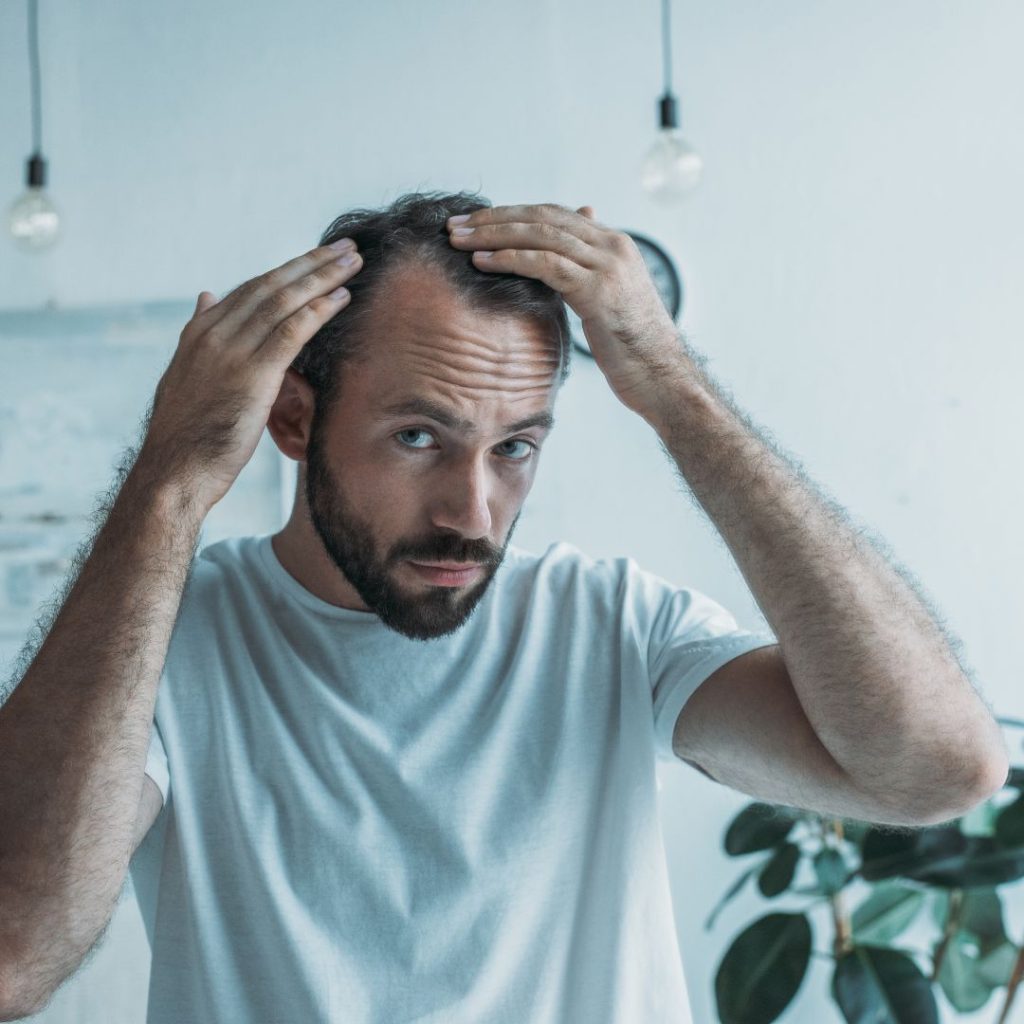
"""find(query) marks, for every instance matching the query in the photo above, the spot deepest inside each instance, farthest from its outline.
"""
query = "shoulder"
(617, 587)
(567, 574)
(220, 571)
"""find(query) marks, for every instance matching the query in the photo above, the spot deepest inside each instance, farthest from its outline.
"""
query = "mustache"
(440, 552)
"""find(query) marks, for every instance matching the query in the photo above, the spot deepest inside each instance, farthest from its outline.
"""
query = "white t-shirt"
(368, 829)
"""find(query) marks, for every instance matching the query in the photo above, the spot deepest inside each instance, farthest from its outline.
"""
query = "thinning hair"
(412, 230)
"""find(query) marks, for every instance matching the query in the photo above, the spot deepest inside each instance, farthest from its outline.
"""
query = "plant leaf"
(762, 970)
(736, 886)
(875, 985)
(777, 874)
(885, 913)
(941, 856)
(832, 870)
(981, 915)
(964, 986)
(757, 827)
(996, 966)
(1009, 827)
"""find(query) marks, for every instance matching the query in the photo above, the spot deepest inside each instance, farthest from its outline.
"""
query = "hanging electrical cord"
(666, 35)
(37, 92)
(33, 220)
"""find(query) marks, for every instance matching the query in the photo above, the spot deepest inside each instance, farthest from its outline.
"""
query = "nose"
(462, 501)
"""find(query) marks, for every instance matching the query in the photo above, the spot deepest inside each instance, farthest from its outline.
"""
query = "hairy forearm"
(74, 735)
(876, 673)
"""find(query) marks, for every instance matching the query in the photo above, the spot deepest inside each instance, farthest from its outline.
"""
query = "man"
(388, 792)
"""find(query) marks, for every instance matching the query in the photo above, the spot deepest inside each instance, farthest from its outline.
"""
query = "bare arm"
(74, 736)
(74, 733)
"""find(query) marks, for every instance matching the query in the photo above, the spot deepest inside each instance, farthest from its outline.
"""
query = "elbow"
(14, 1007)
(15, 1002)
(993, 778)
(989, 780)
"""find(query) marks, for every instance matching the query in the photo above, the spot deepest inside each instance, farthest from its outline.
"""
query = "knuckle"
(295, 327)
(272, 280)
(323, 275)
(621, 243)
(286, 332)
(271, 307)
(560, 269)
(213, 337)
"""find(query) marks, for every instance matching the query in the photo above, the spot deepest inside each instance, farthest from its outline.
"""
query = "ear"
(291, 415)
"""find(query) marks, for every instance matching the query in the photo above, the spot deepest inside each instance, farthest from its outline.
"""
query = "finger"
(540, 235)
(587, 211)
(258, 306)
(247, 292)
(204, 302)
(558, 272)
(284, 342)
(542, 213)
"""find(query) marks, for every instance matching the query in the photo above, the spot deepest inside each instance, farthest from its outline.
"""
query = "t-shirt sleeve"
(689, 635)
(156, 761)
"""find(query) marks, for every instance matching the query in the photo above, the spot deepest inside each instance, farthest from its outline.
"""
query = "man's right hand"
(214, 399)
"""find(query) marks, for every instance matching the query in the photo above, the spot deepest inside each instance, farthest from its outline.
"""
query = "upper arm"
(150, 804)
(745, 727)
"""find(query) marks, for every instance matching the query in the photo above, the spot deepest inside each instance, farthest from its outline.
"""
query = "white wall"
(852, 262)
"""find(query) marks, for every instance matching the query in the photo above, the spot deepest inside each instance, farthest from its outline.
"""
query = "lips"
(449, 566)
(448, 577)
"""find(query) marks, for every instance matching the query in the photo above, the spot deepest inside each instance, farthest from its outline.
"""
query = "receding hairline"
(370, 314)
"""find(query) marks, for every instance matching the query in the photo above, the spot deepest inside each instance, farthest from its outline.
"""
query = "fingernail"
(460, 219)
(342, 243)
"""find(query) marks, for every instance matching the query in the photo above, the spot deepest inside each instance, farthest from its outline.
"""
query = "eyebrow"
(444, 416)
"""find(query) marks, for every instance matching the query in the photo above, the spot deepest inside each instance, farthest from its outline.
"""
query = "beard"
(416, 609)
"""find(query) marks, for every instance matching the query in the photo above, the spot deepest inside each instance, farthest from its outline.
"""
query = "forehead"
(429, 352)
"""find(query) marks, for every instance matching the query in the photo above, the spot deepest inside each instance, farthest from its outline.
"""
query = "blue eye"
(530, 446)
(412, 430)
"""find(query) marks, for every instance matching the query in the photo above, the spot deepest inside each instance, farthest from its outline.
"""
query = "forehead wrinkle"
(433, 319)
(461, 350)
(511, 373)
(445, 353)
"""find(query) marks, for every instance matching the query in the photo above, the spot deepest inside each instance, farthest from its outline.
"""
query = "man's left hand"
(600, 274)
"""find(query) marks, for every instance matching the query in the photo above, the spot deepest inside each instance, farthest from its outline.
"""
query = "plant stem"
(1012, 985)
(952, 926)
(840, 916)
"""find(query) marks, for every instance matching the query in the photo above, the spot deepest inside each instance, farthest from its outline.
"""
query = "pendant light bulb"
(672, 167)
(32, 218)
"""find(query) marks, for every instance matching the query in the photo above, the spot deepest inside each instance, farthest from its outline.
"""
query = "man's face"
(385, 487)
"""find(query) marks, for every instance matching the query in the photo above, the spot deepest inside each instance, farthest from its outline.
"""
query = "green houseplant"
(950, 871)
